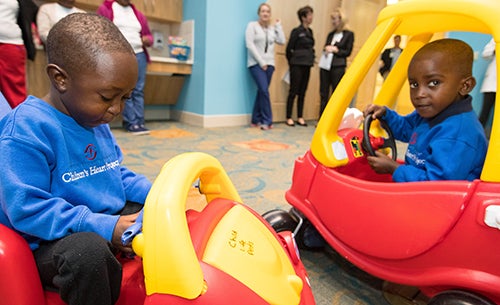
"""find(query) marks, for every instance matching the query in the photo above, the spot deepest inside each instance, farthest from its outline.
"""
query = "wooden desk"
(161, 65)
(164, 80)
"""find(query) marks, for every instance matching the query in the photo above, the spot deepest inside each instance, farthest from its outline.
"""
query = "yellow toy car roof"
(419, 20)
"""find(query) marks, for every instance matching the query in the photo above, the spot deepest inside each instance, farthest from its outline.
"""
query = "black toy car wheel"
(459, 297)
(280, 220)
(306, 236)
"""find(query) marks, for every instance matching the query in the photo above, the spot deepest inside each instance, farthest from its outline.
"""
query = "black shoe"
(137, 129)
(290, 124)
(302, 124)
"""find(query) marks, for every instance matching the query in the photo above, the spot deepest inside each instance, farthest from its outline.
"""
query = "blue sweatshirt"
(449, 146)
(59, 177)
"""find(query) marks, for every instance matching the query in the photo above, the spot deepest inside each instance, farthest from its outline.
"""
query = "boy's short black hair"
(303, 11)
(458, 53)
(77, 41)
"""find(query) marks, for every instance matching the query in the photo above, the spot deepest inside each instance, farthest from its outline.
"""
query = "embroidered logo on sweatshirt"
(90, 152)
(413, 138)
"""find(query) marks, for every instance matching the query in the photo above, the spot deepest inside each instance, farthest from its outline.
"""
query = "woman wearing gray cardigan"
(260, 37)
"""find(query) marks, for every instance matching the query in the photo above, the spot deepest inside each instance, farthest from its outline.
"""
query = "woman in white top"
(260, 37)
(489, 86)
(50, 13)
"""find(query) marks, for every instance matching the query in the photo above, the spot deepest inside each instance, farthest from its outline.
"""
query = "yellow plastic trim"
(242, 246)
(490, 171)
(170, 262)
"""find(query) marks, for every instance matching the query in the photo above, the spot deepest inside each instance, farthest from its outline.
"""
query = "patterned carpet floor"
(260, 165)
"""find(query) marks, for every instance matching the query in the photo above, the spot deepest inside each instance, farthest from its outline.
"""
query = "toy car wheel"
(306, 235)
(280, 220)
(458, 297)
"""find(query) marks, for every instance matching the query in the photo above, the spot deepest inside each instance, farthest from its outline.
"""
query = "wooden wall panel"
(37, 80)
(362, 20)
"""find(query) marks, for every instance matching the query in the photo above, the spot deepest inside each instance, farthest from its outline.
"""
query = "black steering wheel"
(388, 142)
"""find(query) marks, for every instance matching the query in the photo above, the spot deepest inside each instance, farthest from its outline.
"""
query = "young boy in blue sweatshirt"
(445, 138)
(62, 184)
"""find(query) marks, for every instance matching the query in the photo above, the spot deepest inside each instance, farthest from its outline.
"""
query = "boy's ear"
(58, 77)
(467, 85)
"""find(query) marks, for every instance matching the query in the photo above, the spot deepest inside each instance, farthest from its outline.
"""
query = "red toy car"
(441, 236)
(224, 254)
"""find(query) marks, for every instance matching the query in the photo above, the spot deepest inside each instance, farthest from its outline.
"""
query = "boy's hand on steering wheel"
(376, 111)
(382, 164)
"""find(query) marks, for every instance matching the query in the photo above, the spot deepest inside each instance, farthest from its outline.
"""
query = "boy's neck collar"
(458, 107)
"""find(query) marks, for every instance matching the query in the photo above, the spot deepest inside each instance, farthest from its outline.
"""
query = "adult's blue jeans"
(133, 112)
(262, 113)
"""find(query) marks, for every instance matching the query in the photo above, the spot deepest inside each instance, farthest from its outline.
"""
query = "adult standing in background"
(50, 13)
(390, 56)
(134, 26)
(300, 55)
(260, 37)
(338, 47)
(489, 86)
(16, 44)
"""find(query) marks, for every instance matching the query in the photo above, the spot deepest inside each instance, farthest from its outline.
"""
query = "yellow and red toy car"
(224, 254)
(441, 236)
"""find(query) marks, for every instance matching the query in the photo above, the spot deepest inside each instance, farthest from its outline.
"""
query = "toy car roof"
(419, 19)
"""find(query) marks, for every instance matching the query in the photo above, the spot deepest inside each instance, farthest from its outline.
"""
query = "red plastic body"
(20, 283)
(426, 234)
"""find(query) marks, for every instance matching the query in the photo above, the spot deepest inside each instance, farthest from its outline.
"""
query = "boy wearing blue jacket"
(445, 138)
(62, 184)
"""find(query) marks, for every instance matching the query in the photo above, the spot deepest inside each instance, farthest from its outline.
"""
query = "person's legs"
(324, 89)
(13, 73)
(139, 87)
(133, 112)
(267, 113)
(331, 80)
(258, 76)
(306, 71)
(336, 76)
(295, 80)
(488, 102)
(256, 119)
(289, 105)
(82, 267)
